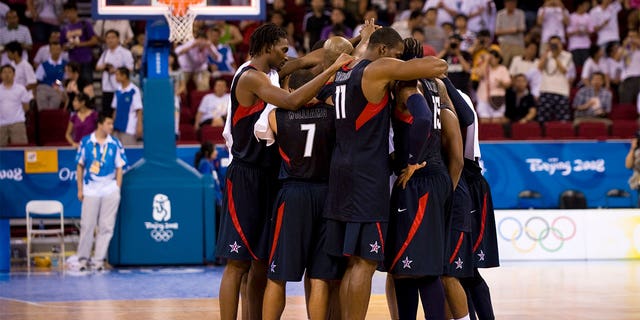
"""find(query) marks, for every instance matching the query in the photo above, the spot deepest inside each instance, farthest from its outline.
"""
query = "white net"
(181, 27)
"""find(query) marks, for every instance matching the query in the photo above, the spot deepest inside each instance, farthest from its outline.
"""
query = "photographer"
(633, 162)
(459, 63)
(114, 57)
(557, 70)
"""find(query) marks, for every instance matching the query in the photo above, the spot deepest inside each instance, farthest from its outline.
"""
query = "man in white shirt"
(552, 17)
(44, 52)
(556, 67)
(50, 75)
(447, 9)
(14, 31)
(510, 29)
(127, 105)
(193, 57)
(101, 27)
(213, 107)
(605, 20)
(13, 105)
(113, 57)
(24, 74)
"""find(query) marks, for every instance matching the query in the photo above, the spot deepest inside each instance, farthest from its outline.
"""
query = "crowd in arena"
(568, 62)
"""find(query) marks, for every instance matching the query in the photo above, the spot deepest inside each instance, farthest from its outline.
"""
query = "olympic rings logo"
(161, 235)
(537, 230)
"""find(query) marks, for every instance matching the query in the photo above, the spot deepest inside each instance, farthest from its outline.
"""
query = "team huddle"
(308, 188)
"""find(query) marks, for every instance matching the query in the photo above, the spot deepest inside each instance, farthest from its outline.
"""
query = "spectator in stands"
(521, 105)
(468, 37)
(448, 29)
(494, 80)
(123, 27)
(44, 53)
(177, 75)
(614, 65)
(413, 6)
(630, 58)
(476, 12)
(510, 28)
(404, 27)
(433, 33)
(14, 31)
(595, 63)
(314, 22)
(194, 57)
(24, 74)
(604, 18)
(82, 121)
(459, 64)
(78, 38)
(47, 16)
(556, 67)
(278, 18)
(50, 75)
(592, 102)
(579, 33)
(447, 9)
(481, 47)
(349, 15)
(371, 13)
(213, 107)
(632, 161)
(337, 26)
(526, 62)
(100, 160)
(74, 85)
(127, 105)
(230, 35)
(113, 57)
(427, 50)
(553, 17)
(13, 105)
(3, 13)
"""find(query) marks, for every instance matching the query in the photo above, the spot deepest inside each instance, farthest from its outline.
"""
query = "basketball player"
(243, 231)
(358, 200)
(415, 243)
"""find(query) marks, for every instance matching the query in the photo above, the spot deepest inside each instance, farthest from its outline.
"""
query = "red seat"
(187, 132)
(559, 130)
(593, 130)
(213, 134)
(624, 129)
(186, 116)
(52, 125)
(195, 97)
(490, 131)
(526, 131)
(625, 111)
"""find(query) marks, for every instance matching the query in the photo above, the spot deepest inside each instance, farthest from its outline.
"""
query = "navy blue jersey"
(246, 147)
(305, 139)
(431, 150)
(359, 178)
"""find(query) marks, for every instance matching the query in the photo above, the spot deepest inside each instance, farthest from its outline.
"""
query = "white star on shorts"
(374, 247)
(234, 247)
(273, 266)
(481, 256)
(458, 263)
(406, 263)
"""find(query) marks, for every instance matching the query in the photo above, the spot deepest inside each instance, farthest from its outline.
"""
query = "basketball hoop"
(180, 18)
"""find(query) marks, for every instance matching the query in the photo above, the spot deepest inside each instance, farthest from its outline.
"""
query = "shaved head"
(333, 47)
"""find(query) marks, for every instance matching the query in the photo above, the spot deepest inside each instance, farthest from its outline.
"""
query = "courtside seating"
(624, 129)
(52, 125)
(559, 130)
(490, 131)
(213, 134)
(593, 130)
(526, 131)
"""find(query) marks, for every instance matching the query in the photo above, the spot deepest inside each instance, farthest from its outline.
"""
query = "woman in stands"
(82, 121)
(74, 85)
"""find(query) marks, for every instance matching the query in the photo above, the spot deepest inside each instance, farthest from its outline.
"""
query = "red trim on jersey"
(242, 111)
(404, 117)
(284, 157)
(482, 224)
(234, 219)
(417, 221)
(371, 110)
(458, 245)
(380, 235)
(276, 235)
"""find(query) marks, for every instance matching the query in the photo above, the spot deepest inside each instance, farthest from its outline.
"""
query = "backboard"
(154, 9)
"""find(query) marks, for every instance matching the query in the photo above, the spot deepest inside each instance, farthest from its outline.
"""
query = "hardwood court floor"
(523, 290)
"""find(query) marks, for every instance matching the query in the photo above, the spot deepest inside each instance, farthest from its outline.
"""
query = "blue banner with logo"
(551, 168)
(18, 186)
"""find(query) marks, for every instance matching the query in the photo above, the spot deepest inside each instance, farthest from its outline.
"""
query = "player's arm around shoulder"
(394, 69)
(452, 144)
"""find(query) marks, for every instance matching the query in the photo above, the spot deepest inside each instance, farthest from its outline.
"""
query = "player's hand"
(407, 173)
(341, 61)
(368, 28)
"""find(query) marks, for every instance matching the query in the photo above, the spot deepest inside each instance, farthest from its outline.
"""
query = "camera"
(554, 46)
(453, 45)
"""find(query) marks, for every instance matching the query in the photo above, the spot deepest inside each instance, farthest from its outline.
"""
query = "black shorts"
(483, 221)
(459, 259)
(416, 238)
(361, 239)
(244, 220)
(298, 234)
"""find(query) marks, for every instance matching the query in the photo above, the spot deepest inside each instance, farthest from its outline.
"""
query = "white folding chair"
(44, 209)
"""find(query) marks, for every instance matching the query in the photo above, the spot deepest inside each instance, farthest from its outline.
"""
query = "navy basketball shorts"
(483, 222)
(360, 239)
(244, 220)
(298, 235)
(416, 235)
(458, 257)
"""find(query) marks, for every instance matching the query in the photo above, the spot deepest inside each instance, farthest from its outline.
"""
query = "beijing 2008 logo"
(537, 230)
(161, 229)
